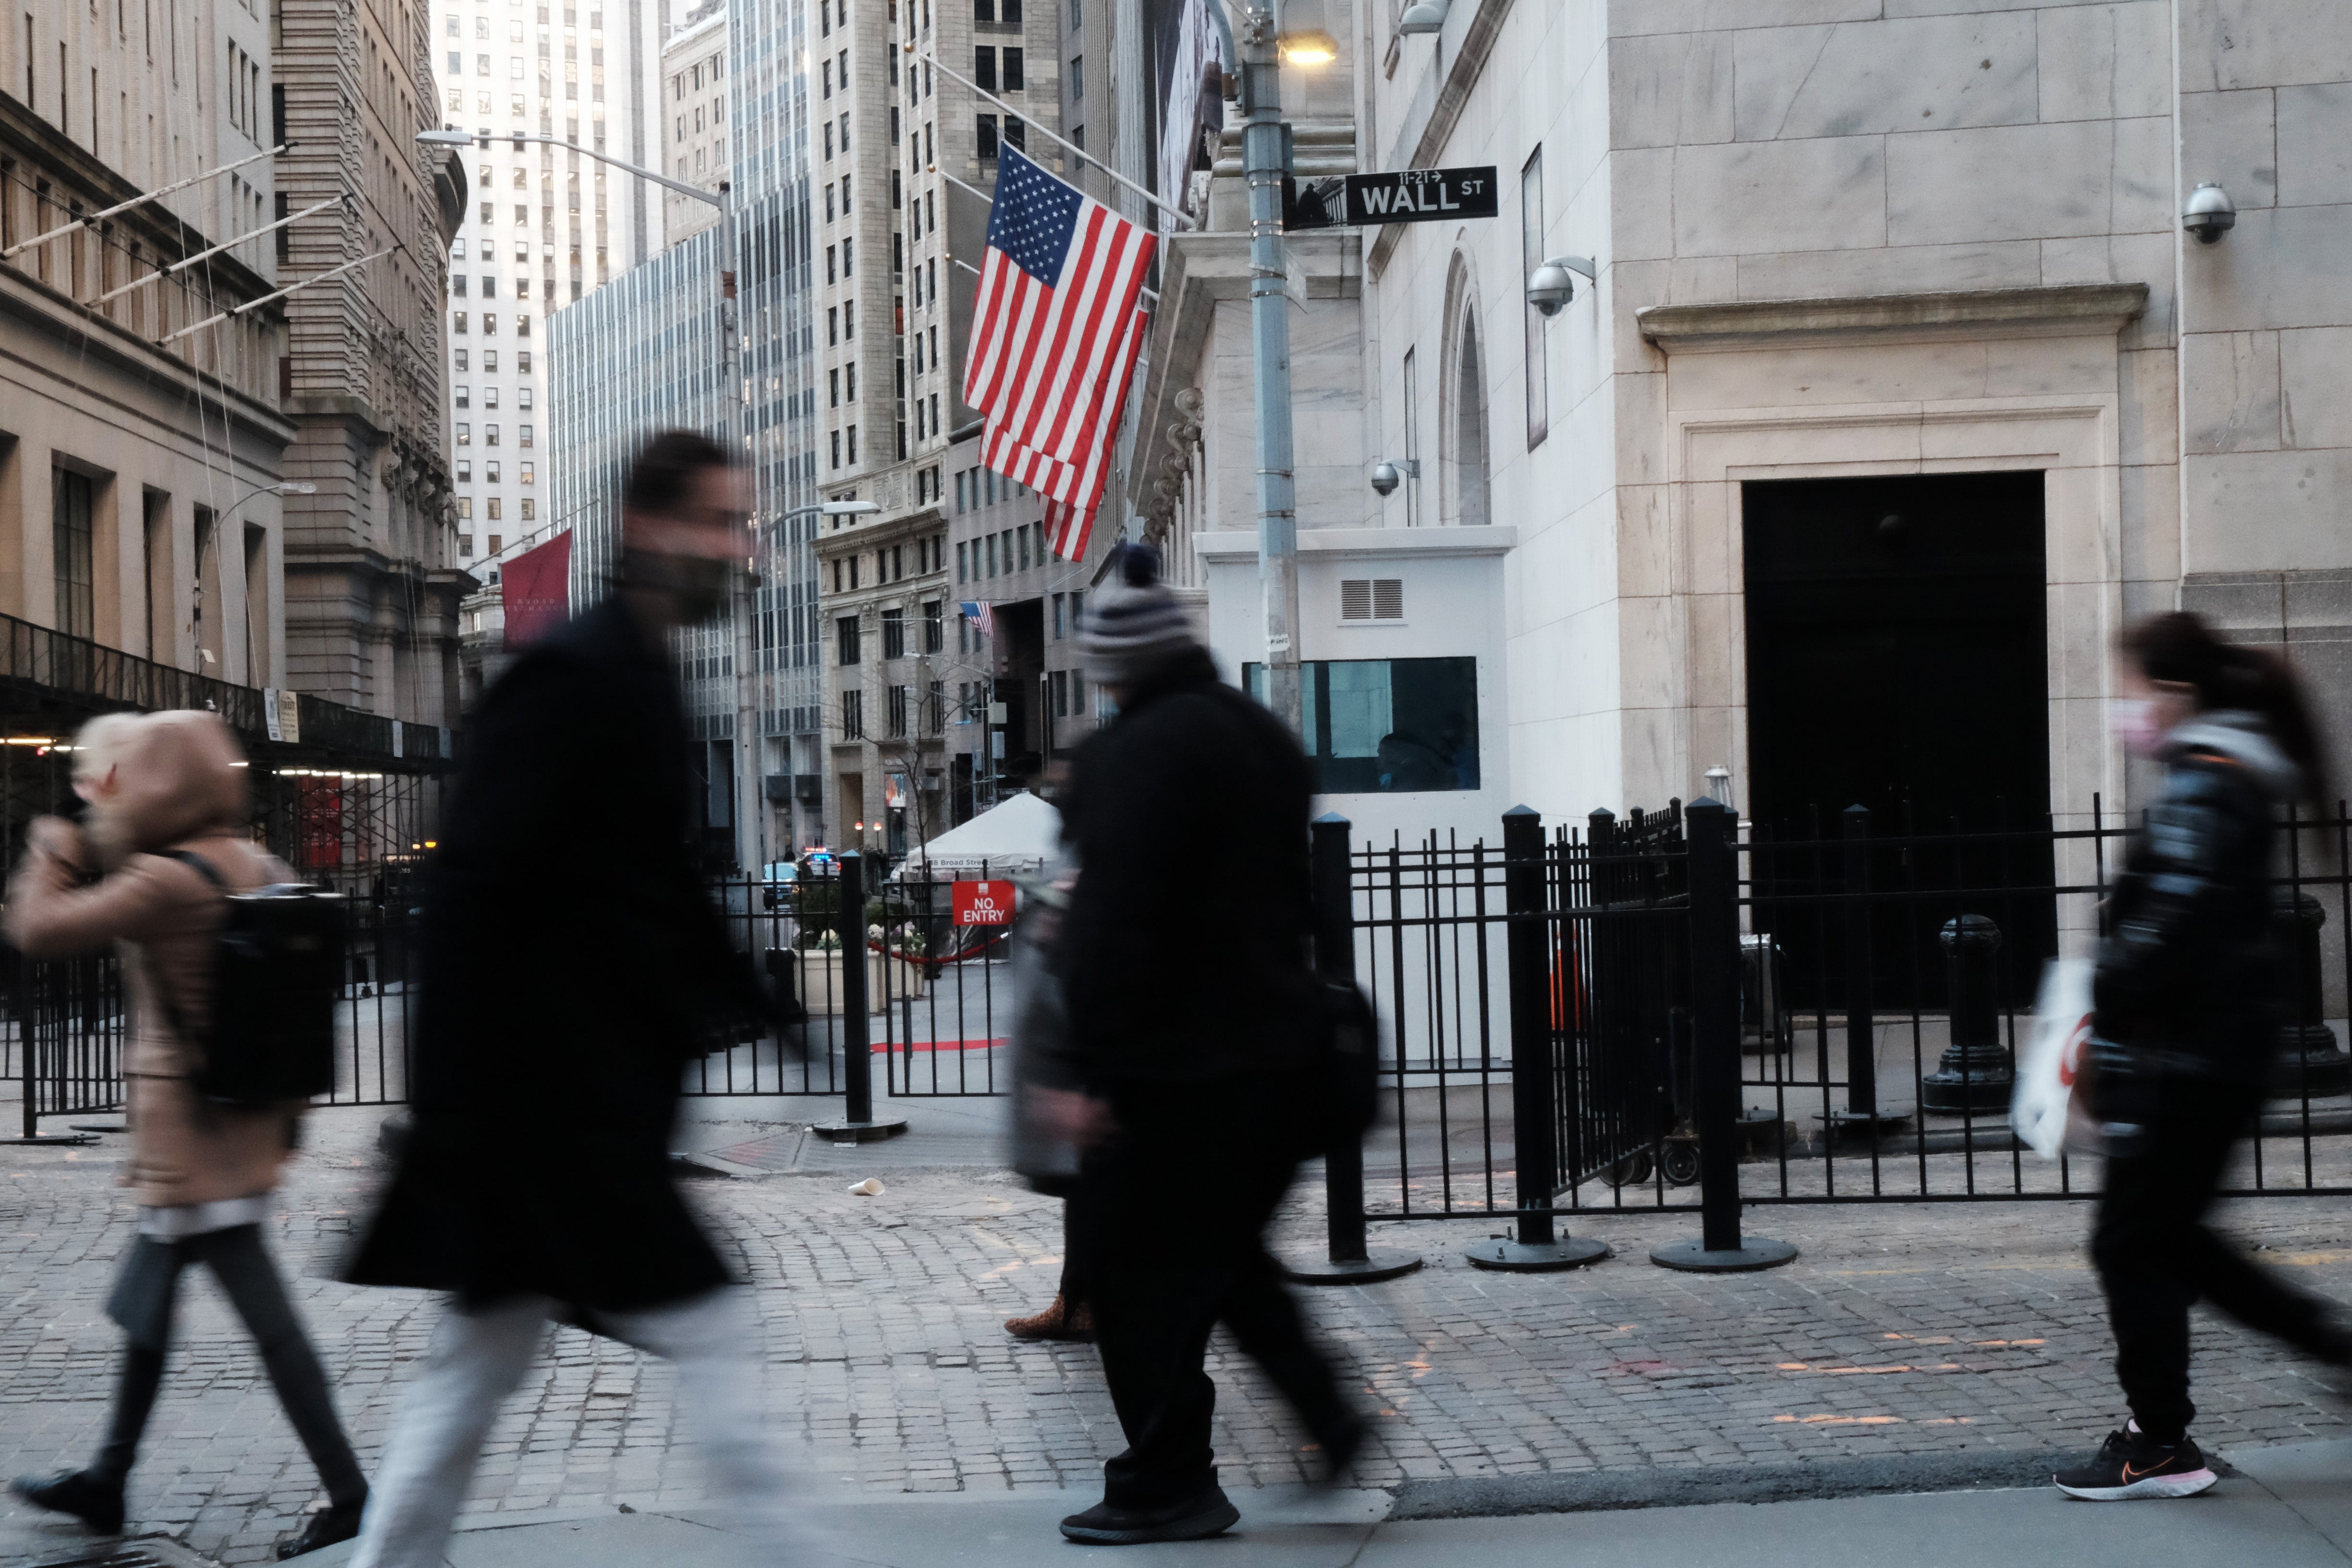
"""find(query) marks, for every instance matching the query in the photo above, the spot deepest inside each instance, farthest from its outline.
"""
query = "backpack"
(278, 972)
(1348, 1065)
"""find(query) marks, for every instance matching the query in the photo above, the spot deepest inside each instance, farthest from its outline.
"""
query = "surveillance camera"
(1552, 285)
(2209, 214)
(1385, 477)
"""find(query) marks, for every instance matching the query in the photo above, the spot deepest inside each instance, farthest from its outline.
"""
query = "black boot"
(93, 1500)
(339, 1522)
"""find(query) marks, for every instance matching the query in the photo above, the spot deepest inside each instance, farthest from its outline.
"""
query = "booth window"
(1388, 725)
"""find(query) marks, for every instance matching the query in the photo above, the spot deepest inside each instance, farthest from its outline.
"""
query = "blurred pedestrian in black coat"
(1194, 1018)
(570, 964)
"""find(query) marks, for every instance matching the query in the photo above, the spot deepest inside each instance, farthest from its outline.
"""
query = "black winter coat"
(568, 962)
(1185, 954)
(2191, 967)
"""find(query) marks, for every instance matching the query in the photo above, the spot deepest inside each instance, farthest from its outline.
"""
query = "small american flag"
(982, 616)
(1057, 286)
(1072, 489)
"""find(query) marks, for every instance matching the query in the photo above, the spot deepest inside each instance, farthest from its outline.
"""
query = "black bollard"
(2310, 1062)
(1714, 884)
(1527, 941)
(857, 1124)
(1974, 1074)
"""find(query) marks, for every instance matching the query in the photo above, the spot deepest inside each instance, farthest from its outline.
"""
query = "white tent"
(1013, 838)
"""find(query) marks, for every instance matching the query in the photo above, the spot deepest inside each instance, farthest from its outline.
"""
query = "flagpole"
(1177, 214)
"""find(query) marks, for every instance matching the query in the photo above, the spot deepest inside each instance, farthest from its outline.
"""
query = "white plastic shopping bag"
(2044, 1108)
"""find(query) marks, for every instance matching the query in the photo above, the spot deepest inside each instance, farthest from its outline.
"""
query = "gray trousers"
(144, 1296)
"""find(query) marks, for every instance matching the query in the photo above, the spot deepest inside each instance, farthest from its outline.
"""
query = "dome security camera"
(2209, 214)
(1386, 476)
(1551, 286)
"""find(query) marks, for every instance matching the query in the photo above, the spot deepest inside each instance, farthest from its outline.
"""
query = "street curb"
(1492, 1496)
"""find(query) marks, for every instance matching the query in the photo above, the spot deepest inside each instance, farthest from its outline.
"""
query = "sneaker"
(335, 1522)
(1195, 1519)
(96, 1503)
(2129, 1466)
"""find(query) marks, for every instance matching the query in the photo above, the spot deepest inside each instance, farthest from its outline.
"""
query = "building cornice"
(2067, 310)
(1369, 543)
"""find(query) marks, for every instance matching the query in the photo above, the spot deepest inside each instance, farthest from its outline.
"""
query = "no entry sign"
(983, 903)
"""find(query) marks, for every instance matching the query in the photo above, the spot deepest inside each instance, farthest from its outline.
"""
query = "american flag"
(1057, 288)
(1072, 491)
(982, 616)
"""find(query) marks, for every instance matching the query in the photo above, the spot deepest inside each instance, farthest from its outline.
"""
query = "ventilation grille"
(1371, 598)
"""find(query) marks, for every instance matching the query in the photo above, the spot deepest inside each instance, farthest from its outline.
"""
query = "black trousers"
(1175, 1216)
(2157, 1257)
(143, 1302)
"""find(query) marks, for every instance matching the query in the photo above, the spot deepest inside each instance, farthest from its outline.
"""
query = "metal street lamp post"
(196, 621)
(747, 714)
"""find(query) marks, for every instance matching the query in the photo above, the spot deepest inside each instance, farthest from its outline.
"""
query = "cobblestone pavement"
(1902, 1329)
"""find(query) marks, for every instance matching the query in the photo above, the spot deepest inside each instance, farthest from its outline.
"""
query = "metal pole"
(856, 1124)
(1860, 1026)
(1713, 880)
(751, 811)
(1349, 1260)
(1534, 1137)
(1278, 515)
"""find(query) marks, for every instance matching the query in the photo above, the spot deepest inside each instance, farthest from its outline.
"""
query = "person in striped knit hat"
(1192, 1017)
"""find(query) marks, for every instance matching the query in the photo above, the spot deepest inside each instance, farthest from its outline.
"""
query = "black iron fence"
(1639, 1013)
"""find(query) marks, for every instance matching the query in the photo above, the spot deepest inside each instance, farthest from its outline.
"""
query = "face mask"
(2134, 722)
(696, 584)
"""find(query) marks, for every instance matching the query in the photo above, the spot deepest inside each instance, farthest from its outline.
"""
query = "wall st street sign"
(1402, 196)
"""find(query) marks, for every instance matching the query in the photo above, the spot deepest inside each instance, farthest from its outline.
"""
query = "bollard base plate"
(1537, 1256)
(51, 1138)
(858, 1132)
(1370, 1269)
(1692, 1257)
(1871, 1121)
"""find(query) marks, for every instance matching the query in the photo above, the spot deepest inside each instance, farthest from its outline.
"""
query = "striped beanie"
(1134, 623)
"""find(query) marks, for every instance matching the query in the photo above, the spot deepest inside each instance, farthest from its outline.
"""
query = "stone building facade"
(372, 579)
(136, 456)
(1897, 390)
(690, 116)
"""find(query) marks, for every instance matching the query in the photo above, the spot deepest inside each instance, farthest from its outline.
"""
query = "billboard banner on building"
(535, 589)
(1190, 58)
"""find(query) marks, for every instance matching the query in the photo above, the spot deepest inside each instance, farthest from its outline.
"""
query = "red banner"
(535, 588)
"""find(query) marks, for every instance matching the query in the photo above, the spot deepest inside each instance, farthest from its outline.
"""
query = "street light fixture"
(1425, 16)
(1302, 32)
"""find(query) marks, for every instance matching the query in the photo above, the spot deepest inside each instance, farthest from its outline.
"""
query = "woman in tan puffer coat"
(161, 786)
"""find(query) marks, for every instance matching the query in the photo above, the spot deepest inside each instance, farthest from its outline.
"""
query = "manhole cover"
(152, 1552)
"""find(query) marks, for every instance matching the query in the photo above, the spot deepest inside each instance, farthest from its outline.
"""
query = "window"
(935, 635)
(461, 359)
(457, 285)
(1531, 253)
(489, 324)
(898, 710)
(894, 632)
(1059, 600)
(852, 715)
(465, 506)
(465, 470)
(457, 322)
(461, 395)
(1077, 605)
(489, 397)
(529, 474)
(490, 361)
(853, 443)
(465, 434)
(498, 540)
(935, 708)
(490, 435)
(1012, 70)
(987, 136)
(1077, 78)
(526, 441)
(963, 574)
(849, 321)
(830, 275)
(1078, 691)
(833, 388)
(983, 68)
(844, 639)
(832, 325)
(1387, 725)
(493, 510)
(523, 396)
(1060, 681)
(72, 537)
(522, 325)
(490, 469)
(1017, 134)
(1025, 548)
(530, 507)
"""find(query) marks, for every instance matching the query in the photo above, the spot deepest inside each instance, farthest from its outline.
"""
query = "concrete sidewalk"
(2291, 1505)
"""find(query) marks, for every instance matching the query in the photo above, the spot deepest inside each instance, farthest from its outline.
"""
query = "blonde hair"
(101, 742)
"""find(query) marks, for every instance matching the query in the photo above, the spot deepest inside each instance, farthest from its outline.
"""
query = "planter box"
(816, 980)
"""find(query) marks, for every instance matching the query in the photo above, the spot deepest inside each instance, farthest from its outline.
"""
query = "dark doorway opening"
(1896, 660)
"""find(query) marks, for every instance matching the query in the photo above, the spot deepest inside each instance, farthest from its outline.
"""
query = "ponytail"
(2180, 648)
